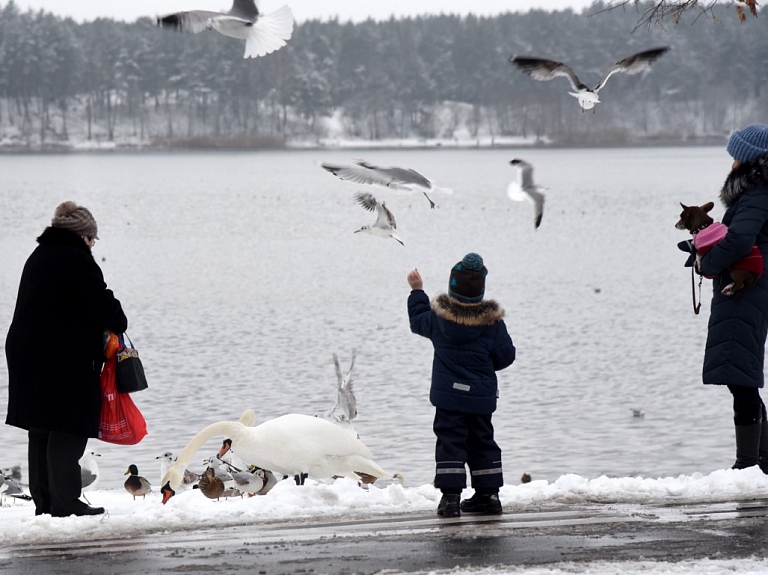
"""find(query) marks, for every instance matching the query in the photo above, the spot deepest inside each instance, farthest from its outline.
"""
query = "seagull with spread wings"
(263, 33)
(385, 224)
(543, 70)
(393, 178)
(525, 189)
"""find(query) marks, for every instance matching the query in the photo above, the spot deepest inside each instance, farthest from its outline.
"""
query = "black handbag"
(130, 371)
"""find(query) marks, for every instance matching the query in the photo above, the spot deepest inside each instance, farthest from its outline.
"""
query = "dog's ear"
(708, 206)
(684, 206)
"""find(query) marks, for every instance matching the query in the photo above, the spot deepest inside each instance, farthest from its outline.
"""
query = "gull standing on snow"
(542, 69)
(393, 178)
(525, 189)
(263, 33)
(385, 222)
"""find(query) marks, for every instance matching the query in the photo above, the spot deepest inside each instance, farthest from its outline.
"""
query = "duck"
(210, 485)
(393, 178)
(263, 33)
(136, 484)
(221, 473)
(291, 444)
(542, 69)
(166, 460)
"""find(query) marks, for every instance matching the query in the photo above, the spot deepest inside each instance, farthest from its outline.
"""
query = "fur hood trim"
(484, 313)
(747, 175)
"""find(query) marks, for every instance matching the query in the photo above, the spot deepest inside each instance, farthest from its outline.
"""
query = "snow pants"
(466, 439)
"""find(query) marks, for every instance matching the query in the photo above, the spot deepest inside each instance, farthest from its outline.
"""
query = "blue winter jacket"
(738, 324)
(471, 344)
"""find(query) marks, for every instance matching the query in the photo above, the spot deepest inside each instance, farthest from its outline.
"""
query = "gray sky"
(355, 10)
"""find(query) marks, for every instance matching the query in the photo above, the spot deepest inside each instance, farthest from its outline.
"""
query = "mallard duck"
(210, 485)
(292, 444)
(136, 484)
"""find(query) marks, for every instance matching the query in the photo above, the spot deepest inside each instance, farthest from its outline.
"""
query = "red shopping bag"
(121, 421)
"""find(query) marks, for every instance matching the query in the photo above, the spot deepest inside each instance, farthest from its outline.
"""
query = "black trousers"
(748, 407)
(54, 471)
(466, 439)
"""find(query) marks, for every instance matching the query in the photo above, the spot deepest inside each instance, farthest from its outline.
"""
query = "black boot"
(747, 445)
(483, 503)
(449, 505)
(763, 449)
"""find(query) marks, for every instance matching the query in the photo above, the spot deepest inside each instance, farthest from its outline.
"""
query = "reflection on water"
(241, 276)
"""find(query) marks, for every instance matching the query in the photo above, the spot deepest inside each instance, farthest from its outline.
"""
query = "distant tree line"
(427, 77)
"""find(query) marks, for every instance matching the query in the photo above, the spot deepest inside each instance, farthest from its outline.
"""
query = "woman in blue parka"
(738, 324)
(471, 344)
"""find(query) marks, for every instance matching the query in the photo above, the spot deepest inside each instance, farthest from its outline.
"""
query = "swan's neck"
(176, 472)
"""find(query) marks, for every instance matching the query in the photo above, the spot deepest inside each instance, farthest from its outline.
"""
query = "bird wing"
(367, 201)
(270, 32)
(543, 70)
(196, 21)
(245, 9)
(538, 206)
(525, 175)
(385, 218)
(633, 64)
(362, 175)
(395, 175)
(346, 404)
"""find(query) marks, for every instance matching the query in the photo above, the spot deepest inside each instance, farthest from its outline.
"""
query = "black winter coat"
(55, 343)
(738, 325)
(471, 344)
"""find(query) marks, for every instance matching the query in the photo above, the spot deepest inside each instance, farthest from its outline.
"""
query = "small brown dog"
(696, 220)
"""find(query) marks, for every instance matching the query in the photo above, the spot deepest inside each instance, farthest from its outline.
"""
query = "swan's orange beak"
(167, 492)
(223, 450)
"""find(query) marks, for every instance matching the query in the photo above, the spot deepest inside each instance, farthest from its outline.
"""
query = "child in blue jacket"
(471, 344)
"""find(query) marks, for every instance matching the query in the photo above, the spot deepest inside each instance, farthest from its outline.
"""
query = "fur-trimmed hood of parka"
(747, 175)
(484, 313)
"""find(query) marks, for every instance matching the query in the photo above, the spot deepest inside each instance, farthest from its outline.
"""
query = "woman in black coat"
(738, 325)
(55, 353)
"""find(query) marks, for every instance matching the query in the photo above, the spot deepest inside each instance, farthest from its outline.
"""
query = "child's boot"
(449, 505)
(484, 503)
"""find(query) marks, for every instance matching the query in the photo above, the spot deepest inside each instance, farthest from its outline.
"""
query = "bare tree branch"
(658, 11)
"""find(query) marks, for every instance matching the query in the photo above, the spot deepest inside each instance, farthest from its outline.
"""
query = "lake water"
(241, 276)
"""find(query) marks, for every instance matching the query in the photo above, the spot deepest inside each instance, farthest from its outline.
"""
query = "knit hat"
(467, 282)
(74, 218)
(748, 143)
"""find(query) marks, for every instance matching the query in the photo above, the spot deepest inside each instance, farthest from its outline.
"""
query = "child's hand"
(414, 280)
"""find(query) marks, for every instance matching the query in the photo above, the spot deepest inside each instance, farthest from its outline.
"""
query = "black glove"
(687, 246)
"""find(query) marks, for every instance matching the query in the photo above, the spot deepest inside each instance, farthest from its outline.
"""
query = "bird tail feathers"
(269, 33)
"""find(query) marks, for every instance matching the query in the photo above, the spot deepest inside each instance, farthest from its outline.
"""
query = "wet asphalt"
(420, 542)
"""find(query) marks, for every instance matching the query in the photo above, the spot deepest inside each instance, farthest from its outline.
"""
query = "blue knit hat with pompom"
(467, 281)
(748, 143)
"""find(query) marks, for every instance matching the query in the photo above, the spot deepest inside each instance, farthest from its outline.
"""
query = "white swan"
(292, 444)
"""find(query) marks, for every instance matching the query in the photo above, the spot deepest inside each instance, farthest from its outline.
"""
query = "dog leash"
(696, 307)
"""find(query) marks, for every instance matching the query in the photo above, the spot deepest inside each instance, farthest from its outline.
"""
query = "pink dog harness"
(706, 239)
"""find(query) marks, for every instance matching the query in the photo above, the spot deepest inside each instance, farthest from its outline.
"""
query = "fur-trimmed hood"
(484, 313)
(747, 175)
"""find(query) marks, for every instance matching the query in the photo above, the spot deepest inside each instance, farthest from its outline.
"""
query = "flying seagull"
(344, 412)
(525, 189)
(393, 178)
(541, 69)
(385, 222)
(263, 33)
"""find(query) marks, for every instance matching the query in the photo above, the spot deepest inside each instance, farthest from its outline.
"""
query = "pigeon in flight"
(393, 178)
(525, 189)
(263, 33)
(385, 225)
(542, 69)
